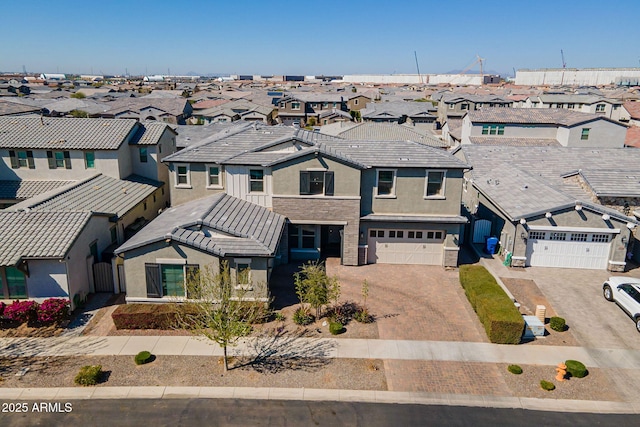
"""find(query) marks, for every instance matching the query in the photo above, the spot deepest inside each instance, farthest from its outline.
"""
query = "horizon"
(281, 38)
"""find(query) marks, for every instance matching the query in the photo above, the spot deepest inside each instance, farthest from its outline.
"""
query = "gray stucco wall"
(197, 188)
(409, 195)
(134, 266)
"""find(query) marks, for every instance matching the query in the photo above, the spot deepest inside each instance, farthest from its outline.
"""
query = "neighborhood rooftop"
(530, 116)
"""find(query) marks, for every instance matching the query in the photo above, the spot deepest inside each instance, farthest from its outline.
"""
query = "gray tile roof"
(454, 98)
(70, 104)
(573, 99)
(150, 133)
(102, 194)
(438, 219)
(397, 109)
(173, 106)
(222, 225)
(552, 116)
(387, 132)
(515, 142)
(64, 133)
(528, 180)
(26, 189)
(38, 234)
(189, 135)
(12, 108)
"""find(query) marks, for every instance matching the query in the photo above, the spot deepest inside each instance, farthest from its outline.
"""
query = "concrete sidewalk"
(302, 394)
(322, 348)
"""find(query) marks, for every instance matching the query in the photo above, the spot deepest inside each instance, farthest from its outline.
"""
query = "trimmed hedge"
(547, 385)
(146, 316)
(515, 369)
(89, 375)
(143, 357)
(576, 368)
(336, 328)
(558, 324)
(500, 317)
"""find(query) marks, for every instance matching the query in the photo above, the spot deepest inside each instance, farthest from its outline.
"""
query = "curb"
(308, 394)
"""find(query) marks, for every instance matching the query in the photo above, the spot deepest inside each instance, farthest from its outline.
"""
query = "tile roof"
(454, 98)
(64, 133)
(633, 137)
(387, 132)
(12, 108)
(222, 225)
(514, 142)
(573, 98)
(38, 234)
(150, 133)
(101, 194)
(527, 180)
(633, 108)
(552, 116)
(26, 189)
(70, 104)
(173, 106)
(397, 109)
(208, 103)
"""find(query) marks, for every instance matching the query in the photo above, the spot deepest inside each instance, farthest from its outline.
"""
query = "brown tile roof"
(633, 137)
(208, 103)
(634, 109)
(556, 116)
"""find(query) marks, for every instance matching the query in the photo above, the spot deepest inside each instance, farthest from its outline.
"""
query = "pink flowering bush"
(22, 311)
(53, 310)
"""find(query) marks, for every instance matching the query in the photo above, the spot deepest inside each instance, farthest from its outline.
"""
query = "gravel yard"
(352, 374)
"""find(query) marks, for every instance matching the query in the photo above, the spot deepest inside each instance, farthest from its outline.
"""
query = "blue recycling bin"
(492, 245)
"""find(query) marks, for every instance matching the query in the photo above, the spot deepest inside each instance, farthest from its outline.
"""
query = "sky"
(316, 38)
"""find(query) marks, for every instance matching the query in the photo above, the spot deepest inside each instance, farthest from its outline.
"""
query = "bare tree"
(217, 309)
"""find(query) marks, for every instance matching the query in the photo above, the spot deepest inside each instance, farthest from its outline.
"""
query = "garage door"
(568, 250)
(405, 247)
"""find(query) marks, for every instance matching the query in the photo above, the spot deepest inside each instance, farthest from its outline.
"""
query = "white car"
(624, 291)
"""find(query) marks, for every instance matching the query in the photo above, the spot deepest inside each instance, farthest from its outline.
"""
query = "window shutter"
(304, 182)
(67, 160)
(30, 161)
(193, 281)
(52, 162)
(154, 286)
(14, 160)
(328, 183)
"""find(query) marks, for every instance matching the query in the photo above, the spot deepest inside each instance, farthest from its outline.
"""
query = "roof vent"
(354, 146)
(524, 187)
(404, 159)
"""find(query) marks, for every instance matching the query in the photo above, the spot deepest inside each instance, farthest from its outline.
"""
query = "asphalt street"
(233, 412)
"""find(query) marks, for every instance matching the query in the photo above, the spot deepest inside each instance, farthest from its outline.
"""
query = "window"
(557, 236)
(172, 277)
(578, 237)
(399, 234)
(355, 102)
(411, 234)
(452, 106)
(89, 160)
(256, 181)
(182, 176)
(493, 129)
(435, 184)
(600, 238)
(243, 270)
(392, 234)
(16, 283)
(464, 107)
(372, 233)
(571, 106)
(143, 155)
(585, 134)
(386, 183)
(302, 236)
(316, 182)
(59, 159)
(600, 108)
(418, 234)
(434, 235)
(114, 234)
(21, 159)
(295, 105)
(478, 105)
(213, 177)
(536, 235)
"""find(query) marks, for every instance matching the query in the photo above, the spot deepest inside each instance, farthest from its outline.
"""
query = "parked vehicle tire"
(638, 323)
(608, 293)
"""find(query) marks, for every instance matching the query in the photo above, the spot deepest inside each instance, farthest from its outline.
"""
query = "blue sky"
(306, 38)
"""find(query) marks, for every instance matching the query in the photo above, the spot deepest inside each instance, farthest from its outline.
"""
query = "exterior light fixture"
(578, 206)
(606, 217)
(523, 221)
(548, 215)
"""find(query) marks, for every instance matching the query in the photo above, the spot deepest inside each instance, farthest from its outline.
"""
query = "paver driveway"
(412, 302)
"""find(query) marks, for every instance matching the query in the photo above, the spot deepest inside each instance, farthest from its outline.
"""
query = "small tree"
(314, 287)
(78, 95)
(217, 309)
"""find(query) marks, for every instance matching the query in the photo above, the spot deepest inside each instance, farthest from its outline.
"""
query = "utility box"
(533, 327)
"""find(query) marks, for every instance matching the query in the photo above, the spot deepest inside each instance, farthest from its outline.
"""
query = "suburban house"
(168, 110)
(547, 127)
(357, 101)
(456, 105)
(36, 151)
(554, 206)
(419, 114)
(48, 254)
(304, 109)
(592, 104)
(365, 201)
(160, 260)
(231, 111)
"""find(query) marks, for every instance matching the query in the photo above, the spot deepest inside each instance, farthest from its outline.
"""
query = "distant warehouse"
(578, 77)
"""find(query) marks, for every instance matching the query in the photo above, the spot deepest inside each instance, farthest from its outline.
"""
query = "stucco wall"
(601, 134)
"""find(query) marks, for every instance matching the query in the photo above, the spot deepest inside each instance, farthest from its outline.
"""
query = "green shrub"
(576, 369)
(302, 317)
(280, 317)
(336, 328)
(89, 375)
(143, 357)
(363, 316)
(147, 316)
(515, 369)
(546, 385)
(499, 316)
(557, 324)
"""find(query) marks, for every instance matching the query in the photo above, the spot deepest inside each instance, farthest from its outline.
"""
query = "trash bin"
(492, 245)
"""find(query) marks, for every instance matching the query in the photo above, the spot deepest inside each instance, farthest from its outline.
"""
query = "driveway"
(412, 302)
(576, 295)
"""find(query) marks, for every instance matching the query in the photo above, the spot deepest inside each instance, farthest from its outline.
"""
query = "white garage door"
(405, 247)
(568, 249)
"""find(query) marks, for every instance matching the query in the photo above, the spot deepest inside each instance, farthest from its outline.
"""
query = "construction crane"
(564, 64)
(417, 66)
(477, 61)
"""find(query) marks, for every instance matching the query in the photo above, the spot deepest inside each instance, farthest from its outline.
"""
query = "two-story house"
(592, 104)
(542, 127)
(419, 114)
(364, 201)
(456, 105)
(304, 109)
